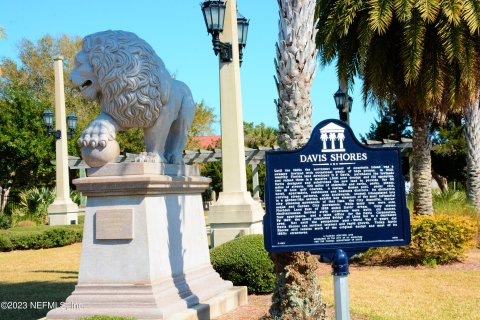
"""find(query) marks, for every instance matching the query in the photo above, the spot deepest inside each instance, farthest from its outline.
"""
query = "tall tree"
(472, 137)
(259, 135)
(296, 294)
(34, 70)
(26, 90)
(421, 54)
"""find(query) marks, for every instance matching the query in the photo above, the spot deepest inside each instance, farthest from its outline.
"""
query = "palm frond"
(471, 14)
(451, 37)
(432, 82)
(429, 9)
(403, 9)
(452, 10)
(412, 46)
(381, 14)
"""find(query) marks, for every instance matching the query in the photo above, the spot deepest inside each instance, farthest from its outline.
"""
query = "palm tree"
(296, 294)
(3, 34)
(421, 55)
(472, 137)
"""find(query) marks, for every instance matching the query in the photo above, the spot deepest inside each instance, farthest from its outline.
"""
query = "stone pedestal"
(144, 250)
(234, 215)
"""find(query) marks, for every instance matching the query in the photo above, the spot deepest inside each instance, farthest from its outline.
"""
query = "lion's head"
(123, 73)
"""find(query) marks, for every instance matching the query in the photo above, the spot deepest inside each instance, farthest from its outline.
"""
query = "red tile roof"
(207, 141)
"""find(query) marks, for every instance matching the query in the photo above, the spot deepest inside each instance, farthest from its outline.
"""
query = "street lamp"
(344, 105)
(71, 124)
(214, 15)
(235, 212)
(242, 27)
(47, 116)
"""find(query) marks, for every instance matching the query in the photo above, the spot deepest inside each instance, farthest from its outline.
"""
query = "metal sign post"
(340, 285)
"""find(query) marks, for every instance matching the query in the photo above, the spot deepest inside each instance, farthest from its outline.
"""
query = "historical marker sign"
(335, 193)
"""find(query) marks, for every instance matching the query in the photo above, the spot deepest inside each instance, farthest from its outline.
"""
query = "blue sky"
(177, 32)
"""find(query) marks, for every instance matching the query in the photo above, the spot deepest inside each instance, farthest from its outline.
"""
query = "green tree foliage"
(203, 121)
(259, 135)
(423, 55)
(27, 88)
(391, 125)
(255, 136)
(449, 151)
(25, 148)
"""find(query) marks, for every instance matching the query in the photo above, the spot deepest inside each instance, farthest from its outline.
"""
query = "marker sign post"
(335, 197)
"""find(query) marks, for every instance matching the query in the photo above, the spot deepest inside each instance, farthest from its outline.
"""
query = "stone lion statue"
(135, 90)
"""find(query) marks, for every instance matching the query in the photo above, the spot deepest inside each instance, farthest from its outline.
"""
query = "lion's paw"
(150, 157)
(98, 133)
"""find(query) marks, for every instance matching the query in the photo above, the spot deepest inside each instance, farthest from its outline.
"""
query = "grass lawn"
(405, 293)
(409, 293)
(47, 275)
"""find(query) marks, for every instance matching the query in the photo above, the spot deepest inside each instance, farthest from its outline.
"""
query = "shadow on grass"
(68, 274)
(32, 300)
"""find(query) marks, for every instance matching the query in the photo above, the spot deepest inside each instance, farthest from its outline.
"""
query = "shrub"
(437, 239)
(5, 243)
(440, 238)
(26, 223)
(5, 221)
(39, 238)
(33, 205)
(245, 262)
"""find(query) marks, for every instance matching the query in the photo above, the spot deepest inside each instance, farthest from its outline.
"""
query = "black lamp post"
(344, 105)
(48, 121)
(214, 15)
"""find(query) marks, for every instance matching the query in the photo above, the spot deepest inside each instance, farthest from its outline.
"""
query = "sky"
(177, 32)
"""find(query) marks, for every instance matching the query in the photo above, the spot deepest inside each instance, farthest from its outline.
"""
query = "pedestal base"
(144, 249)
(140, 307)
(234, 215)
(62, 212)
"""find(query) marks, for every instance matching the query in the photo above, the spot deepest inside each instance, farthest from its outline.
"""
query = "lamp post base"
(62, 212)
(234, 214)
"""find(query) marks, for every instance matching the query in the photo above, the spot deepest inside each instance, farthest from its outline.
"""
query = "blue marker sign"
(335, 193)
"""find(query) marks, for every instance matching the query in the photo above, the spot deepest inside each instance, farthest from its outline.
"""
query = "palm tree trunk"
(295, 67)
(422, 165)
(472, 137)
(296, 294)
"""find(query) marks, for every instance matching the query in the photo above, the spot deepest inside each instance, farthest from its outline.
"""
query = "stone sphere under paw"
(100, 156)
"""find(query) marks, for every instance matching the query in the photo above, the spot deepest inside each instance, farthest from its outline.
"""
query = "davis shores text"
(333, 157)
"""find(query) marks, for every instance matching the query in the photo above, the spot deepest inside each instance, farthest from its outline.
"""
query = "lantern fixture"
(71, 124)
(344, 105)
(242, 27)
(47, 116)
(214, 15)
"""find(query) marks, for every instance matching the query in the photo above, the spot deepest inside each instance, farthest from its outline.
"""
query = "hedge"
(39, 237)
(245, 262)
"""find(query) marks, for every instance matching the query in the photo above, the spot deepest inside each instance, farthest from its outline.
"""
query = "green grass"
(46, 275)
(375, 292)
(411, 293)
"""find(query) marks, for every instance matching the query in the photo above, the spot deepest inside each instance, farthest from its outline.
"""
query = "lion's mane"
(133, 80)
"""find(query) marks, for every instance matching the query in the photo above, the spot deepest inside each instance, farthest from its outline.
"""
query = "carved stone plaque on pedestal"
(114, 224)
